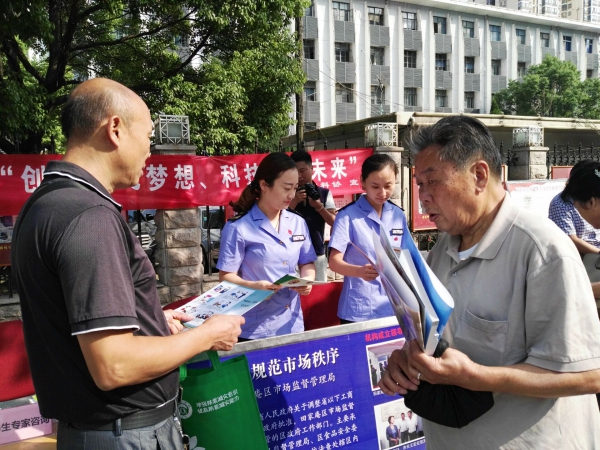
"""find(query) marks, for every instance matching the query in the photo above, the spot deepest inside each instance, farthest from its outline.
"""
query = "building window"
(545, 39)
(496, 66)
(410, 20)
(521, 70)
(309, 49)
(589, 45)
(589, 73)
(567, 43)
(470, 100)
(377, 95)
(343, 93)
(439, 25)
(520, 36)
(341, 11)
(310, 126)
(310, 91)
(375, 16)
(310, 10)
(441, 62)
(342, 52)
(410, 59)
(441, 99)
(469, 64)
(495, 33)
(410, 96)
(468, 29)
(377, 56)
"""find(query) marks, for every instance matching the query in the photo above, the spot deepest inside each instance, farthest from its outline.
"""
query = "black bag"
(451, 406)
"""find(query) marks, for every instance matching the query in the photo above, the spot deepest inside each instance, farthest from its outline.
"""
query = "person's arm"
(596, 290)
(235, 278)
(583, 247)
(306, 271)
(117, 358)
(455, 368)
(338, 265)
(328, 214)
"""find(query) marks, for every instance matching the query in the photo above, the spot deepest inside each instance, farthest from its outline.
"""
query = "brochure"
(233, 299)
(420, 301)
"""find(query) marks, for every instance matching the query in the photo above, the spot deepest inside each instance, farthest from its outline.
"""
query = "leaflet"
(232, 299)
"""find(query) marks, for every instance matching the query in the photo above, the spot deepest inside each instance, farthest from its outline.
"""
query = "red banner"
(175, 182)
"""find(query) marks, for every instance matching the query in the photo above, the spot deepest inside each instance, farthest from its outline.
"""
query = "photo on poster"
(396, 425)
(377, 358)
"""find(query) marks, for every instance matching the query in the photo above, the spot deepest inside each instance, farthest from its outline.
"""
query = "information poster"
(323, 394)
(535, 196)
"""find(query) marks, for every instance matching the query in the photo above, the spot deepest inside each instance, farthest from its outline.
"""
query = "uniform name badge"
(397, 232)
(298, 238)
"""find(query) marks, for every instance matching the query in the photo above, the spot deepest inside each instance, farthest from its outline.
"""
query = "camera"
(311, 191)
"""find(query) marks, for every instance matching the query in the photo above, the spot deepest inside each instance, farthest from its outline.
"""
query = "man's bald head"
(92, 102)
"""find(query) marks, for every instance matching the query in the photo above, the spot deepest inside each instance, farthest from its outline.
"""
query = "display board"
(533, 195)
(318, 390)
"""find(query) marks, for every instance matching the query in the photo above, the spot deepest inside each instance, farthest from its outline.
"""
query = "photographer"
(316, 205)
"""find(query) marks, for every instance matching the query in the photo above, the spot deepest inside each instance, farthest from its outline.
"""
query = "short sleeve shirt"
(364, 300)
(253, 249)
(565, 215)
(79, 269)
(522, 297)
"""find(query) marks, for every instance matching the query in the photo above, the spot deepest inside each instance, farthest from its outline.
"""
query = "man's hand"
(405, 365)
(174, 319)
(317, 204)
(366, 272)
(224, 330)
(302, 290)
(299, 197)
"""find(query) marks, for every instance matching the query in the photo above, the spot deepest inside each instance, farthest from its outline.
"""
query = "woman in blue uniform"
(265, 242)
(363, 296)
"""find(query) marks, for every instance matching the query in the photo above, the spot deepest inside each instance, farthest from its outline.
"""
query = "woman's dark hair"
(390, 419)
(377, 162)
(583, 182)
(269, 170)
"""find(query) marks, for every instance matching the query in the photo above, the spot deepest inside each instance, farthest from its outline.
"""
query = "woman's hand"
(366, 272)
(302, 290)
(265, 285)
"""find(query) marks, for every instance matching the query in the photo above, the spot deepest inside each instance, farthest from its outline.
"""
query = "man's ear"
(114, 130)
(481, 171)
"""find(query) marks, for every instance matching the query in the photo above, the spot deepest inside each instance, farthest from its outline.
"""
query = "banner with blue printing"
(322, 394)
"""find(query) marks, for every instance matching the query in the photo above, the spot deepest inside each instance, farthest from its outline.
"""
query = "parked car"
(145, 230)
(217, 220)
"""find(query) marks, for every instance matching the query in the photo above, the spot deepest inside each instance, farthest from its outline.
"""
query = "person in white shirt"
(403, 425)
(412, 426)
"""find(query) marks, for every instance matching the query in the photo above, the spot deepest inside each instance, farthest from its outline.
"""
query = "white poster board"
(535, 195)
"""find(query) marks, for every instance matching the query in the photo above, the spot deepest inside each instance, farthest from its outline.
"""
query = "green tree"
(550, 89)
(233, 73)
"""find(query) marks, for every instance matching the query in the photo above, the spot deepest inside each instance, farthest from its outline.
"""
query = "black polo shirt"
(80, 269)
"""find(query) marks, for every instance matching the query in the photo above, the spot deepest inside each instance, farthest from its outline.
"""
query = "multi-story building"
(365, 58)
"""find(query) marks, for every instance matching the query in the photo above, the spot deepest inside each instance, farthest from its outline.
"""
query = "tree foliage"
(551, 89)
(233, 76)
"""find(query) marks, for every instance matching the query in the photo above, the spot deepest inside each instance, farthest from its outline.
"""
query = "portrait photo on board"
(377, 357)
(397, 425)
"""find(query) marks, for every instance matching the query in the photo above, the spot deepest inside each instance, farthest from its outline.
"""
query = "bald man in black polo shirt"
(103, 355)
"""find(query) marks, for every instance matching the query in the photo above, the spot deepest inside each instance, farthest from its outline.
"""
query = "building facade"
(365, 58)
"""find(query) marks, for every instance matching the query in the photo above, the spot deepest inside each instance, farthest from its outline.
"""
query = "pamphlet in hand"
(413, 280)
(420, 301)
(233, 299)
(293, 282)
